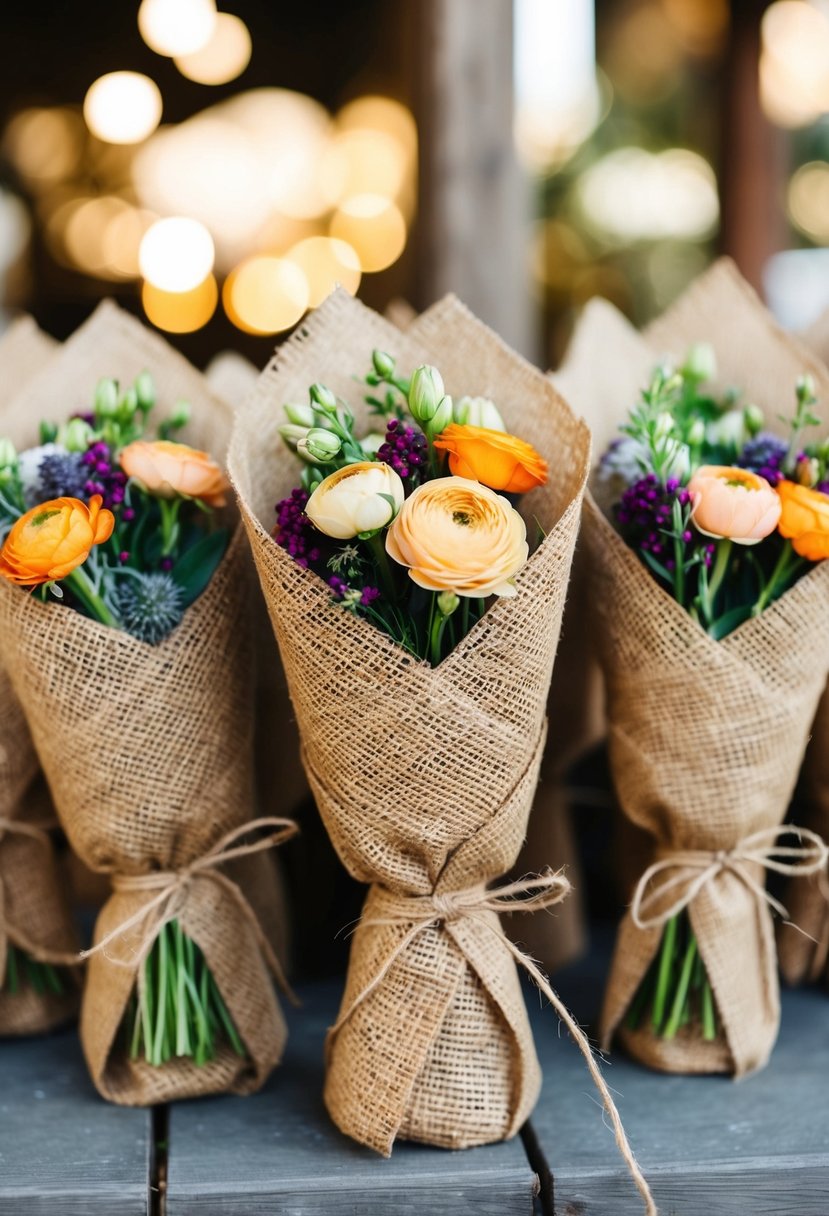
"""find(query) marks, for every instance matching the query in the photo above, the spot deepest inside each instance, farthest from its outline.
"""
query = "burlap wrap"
(33, 906)
(705, 740)
(424, 777)
(148, 749)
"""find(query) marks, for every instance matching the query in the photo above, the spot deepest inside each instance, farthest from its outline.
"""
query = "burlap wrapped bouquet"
(34, 912)
(148, 754)
(424, 776)
(706, 737)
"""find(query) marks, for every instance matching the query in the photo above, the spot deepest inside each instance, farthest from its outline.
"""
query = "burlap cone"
(705, 739)
(148, 749)
(35, 909)
(424, 777)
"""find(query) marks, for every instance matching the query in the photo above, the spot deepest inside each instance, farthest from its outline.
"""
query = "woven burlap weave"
(35, 908)
(148, 749)
(424, 777)
(705, 740)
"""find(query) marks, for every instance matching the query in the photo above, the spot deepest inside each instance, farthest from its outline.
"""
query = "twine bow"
(12, 935)
(697, 867)
(530, 894)
(170, 888)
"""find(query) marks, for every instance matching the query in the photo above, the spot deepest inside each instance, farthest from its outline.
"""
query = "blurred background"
(218, 171)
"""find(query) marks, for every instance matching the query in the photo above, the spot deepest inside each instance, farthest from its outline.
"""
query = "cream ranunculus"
(458, 535)
(358, 498)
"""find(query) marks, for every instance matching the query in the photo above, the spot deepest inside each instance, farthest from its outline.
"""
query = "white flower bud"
(75, 435)
(441, 418)
(701, 362)
(426, 393)
(300, 415)
(324, 398)
(320, 445)
(8, 454)
(478, 411)
(106, 398)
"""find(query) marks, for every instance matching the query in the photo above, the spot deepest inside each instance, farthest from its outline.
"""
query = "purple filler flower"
(764, 455)
(294, 530)
(645, 514)
(404, 449)
(103, 477)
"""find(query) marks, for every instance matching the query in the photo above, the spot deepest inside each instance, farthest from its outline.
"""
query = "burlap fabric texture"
(148, 749)
(34, 911)
(423, 777)
(705, 741)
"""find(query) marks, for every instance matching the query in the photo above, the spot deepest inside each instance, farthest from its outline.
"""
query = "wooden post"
(474, 199)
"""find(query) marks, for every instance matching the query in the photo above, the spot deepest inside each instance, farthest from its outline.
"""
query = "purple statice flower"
(294, 530)
(61, 475)
(404, 449)
(352, 598)
(645, 514)
(102, 476)
(764, 455)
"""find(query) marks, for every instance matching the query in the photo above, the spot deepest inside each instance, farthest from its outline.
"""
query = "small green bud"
(753, 419)
(478, 411)
(145, 391)
(48, 432)
(106, 399)
(700, 362)
(324, 398)
(696, 432)
(180, 415)
(300, 415)
(447, 603)
(664, 425)
(441, 418)
(75, 435)
(805, 389)
(426, 393)
(292, 433)
(8, 454)
(383, 364)
(128, 405)
(320, 445)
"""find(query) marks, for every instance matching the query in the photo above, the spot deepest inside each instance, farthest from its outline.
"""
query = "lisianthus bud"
(441, 418)
(478, 411)
(807, 471)
(754, 420)
(145, 391)
(447, 603)
(292, 434)
(8, 454)
(75, 435)
(728, 429)
(48, 432)
(300, 415)
(700, 362)
(321, 446)
(180, 415)
(106, 398)
(383, 364)
(426, 393)
(805, 387)
(324, 398)
(664, 425)
(128, 404)
(696, 432)
(355, 500)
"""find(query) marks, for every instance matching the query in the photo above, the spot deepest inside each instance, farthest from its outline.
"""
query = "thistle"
(150, 606)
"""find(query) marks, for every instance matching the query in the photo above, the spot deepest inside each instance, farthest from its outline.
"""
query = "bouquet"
(123, 605)
(417, 612)
(37, 938)
(710, 600)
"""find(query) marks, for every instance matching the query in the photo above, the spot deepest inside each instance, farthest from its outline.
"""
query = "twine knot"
(695, 868)
(171, 888)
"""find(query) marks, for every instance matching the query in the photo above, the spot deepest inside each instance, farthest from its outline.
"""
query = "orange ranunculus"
(458, 535)
(499, 461)
(733, 503)
(172, 470)
(805, 520)
(50, 541)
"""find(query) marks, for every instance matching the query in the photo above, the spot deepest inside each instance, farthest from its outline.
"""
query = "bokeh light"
(45, 145)
(374, 227)
(176, 254)
(180, 312)
(176, 27)
(225, 55)
(265, 295)
(326, 262)
(121, 240)
(122, 107)
(808, 200)
(85, 231)
(794, 64)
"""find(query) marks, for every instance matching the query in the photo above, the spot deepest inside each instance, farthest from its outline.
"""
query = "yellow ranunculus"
(171, 470)
(458, 535)
(50, 541)
(361, 497)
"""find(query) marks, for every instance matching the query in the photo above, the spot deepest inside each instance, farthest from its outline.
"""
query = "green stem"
(717, 576)
(681, 993)
(666, 962)
(709, 1016)
(161, 999)
(787, 563)
(378, 551)
(81, 586)
(170, 508)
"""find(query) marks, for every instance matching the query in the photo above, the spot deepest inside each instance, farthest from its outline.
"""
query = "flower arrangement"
(728, 518)
(403, 541)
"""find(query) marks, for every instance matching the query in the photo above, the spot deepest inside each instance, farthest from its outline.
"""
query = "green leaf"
(194, 570)
(656, 566)
(729, 622)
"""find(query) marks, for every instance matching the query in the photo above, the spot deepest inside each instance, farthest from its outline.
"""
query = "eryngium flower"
(150, 606)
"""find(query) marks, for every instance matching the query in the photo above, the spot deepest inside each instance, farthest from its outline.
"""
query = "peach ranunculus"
(457, 535)
(171, 470)
(733, 504)
(805, 520)
(497, 460)
(53, 539)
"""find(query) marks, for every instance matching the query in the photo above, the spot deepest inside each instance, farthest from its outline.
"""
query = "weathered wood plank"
(63, 1150)
(278, 1152)
(708, 1145)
